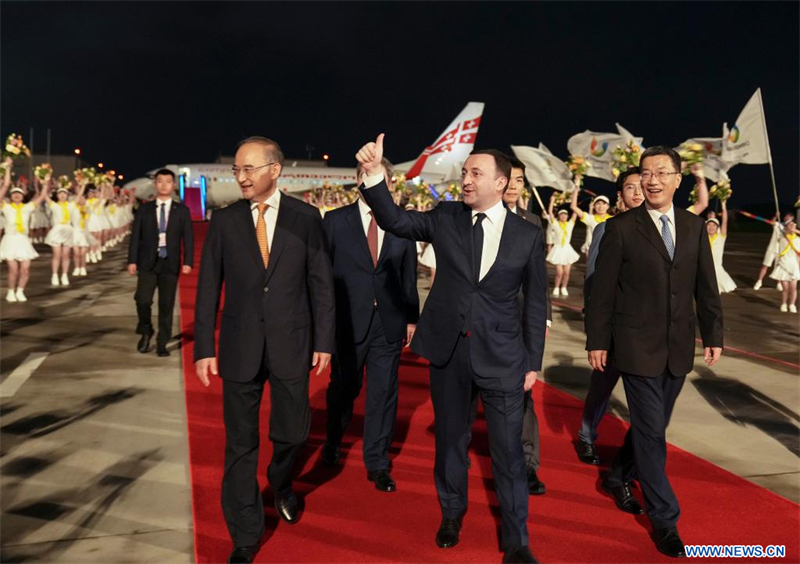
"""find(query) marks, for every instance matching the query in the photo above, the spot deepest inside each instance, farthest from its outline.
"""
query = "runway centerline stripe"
(20, 374)
(727, 349)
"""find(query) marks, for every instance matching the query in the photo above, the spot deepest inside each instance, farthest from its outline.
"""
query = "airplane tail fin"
(451, 147)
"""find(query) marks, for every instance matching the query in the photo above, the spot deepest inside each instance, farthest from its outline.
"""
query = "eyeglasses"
(662, 176)
(248, 170)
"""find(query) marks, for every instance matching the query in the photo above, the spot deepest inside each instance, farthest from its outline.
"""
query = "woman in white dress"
(787, 267)
(772, 248)
(598, 213)
(61, 236)
(562, 255)
(428, 259)
(16, 248)
(717, 236)
(95, 204)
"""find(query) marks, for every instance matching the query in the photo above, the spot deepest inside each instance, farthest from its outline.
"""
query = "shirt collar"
(273, 201)
(494, 213)
(363, 208)
(655, 214)
(168, 202)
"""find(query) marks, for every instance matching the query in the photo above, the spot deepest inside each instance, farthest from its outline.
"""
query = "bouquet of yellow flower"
(691, 153)
(401, 190)
(423, 198)
(85, 175)
(64, 182)
(104, 178)
(562, 198)
(625, 157)
(42, 171)
(721, 190)
(454, 189)
(15, 148)
(578, 165)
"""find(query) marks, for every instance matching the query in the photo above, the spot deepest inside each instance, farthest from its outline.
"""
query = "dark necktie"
(477, 244)
(666, 234)
(162, 228)
(372, 239)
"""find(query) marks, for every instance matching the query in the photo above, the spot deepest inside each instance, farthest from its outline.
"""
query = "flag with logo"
(598, 149)
(747, 141)
(714, 168)
(542, 168)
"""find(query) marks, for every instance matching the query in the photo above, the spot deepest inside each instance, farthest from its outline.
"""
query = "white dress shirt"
(366, 217)
(270, 215)
(492, 231)
(162, 237)
(655, 215)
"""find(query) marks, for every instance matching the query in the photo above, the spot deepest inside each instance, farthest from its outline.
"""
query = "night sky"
(138, 85)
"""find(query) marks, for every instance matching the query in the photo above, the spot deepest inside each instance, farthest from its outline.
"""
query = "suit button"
(266, 289)
(671, 324)
(672, 296)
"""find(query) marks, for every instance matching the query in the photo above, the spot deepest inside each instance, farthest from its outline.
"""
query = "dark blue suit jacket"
(358, 284)
(506, 342)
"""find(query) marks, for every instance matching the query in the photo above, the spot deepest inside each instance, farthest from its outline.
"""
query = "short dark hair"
(274, 152)
(624, 176)
(662, 150)
(516, 163)
(501, 161)
(90, 187)
(164, 172)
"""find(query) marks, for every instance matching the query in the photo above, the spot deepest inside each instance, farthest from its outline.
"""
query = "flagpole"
(769, 153)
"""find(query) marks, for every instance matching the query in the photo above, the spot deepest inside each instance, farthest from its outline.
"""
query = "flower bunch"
(625, 157)
(43, 171)
(454, 190)
(691, 153)
(578, 165)
(64, 182)
(562, 198)
(85, 175)
(721, 190)
(15, 148)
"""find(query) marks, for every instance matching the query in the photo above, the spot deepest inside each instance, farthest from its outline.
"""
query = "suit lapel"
(682, 228)
(248, 231)
(505, 246)
(280, 236)
(647, 228)
(357, 230)
(464, 229)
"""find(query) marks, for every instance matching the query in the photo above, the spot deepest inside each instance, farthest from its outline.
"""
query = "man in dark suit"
(473, 332)
(377, 307)
(653, 269)
(154, 253)
(278, 322)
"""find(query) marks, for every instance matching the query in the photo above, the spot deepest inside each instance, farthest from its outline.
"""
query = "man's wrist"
(372, 180)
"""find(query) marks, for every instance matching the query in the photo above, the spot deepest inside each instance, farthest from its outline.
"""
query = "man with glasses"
(278, 322)
(654, 267)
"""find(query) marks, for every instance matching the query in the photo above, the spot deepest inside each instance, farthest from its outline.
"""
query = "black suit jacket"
(506, 342)
(642, 307)
(393, 283)
(537, 221)
(143, 246)
(289, 307)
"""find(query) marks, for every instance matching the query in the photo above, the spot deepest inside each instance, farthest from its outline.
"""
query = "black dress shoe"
(144, 343)
(383, 481)
(449, 533)
(587, 453)
(162, 351)
(244, 554)
(288, 508)
(519, 555)
(330, 454)
(624, 499)
(535, 485)
(668, 542)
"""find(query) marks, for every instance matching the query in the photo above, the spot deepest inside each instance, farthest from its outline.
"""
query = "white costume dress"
(96, 221)
(16, 244)
(428, 257)
(724, 281)
(786, 265)
(562, 251)
(81, 235)
(62, 231)
(591, 221)
(774, 243)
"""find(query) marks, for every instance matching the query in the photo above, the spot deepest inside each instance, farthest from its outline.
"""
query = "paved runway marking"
(18, 377)
(729, 349)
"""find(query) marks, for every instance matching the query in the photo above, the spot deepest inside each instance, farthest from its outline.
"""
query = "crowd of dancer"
(78, 222)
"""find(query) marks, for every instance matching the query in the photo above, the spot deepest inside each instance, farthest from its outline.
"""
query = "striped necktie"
(666, 234)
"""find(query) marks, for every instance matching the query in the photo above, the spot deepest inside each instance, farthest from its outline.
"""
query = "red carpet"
(347, 520)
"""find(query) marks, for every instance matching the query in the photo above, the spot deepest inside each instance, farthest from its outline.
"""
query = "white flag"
(628, 136)
(542, 168)
(714, 167)
(597, 149)
(747, 141)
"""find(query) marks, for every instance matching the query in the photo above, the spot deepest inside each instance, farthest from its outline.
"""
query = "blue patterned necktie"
(162, 228)
(666, 234)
